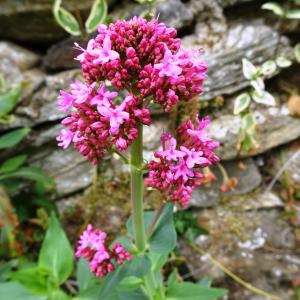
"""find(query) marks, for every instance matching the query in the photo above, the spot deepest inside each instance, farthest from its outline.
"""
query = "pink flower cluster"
(93, 248)
(176, 172)
(98, 124)
(146, 57)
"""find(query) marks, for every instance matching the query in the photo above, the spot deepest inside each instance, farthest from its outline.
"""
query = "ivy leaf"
(56, 254)
(283, 62)
(65, 19)
(297, 52)
(97, 15)
(12, 138)
(264, 98)
(241, 103)
(293, 14)
(13, 163)
(249, 70)
(269, 67)
(274, 7)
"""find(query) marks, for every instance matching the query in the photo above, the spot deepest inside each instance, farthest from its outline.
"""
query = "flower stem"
(137, 189)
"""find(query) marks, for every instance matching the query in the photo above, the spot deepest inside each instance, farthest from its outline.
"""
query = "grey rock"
(174, 13)
(41, 107)
(33, 21)
(258, 246)
(226, 3)
(70, 170)
(250, 39)
(246, 173)
(19, 56)
(288, 156)
(274, 125)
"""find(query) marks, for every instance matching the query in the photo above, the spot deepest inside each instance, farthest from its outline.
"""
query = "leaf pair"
(69, 23)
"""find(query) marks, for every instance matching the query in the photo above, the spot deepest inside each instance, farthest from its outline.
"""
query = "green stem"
(137, 189)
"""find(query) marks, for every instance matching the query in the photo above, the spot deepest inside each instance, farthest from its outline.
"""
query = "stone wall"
(247, 230)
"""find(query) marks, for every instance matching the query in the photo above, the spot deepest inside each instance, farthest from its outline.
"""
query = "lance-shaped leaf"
(97, 15)
(56, 254)
(65, 19)
(9, 99)
(13, 163)
(13, 138)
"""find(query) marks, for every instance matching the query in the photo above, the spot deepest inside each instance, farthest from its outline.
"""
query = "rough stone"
(41, 107)
(245, 171)
(290, 156)
(70, 170)
(33, 21)
(19, 56)
(252, 40)
(274, 125)
(257, 245)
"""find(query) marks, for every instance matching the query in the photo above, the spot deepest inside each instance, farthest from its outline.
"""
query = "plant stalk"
(137, 190)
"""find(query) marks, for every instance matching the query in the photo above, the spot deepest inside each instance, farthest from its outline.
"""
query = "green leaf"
(97, 15)
(191, 291)
(268, 67)
(13, 163)
(264, 98)
(283, 62)
(34, 279)
(15, 291)
(241, 103)
(163, 239)
(297, 52)
(249, 70)
(293, 14)
(9, 99)
(85, 278)
(130, 283)
(56, 254)
(205, 282)
(258, 84)
(138, 267)
(274, 7)
(133, 295)
(65, 19)
(148, 217)
(12, 138)
(30, 173)
(157, 260)
(58, 295)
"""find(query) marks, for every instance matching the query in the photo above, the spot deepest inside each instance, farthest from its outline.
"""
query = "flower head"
(177, 173)
(93, 247)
